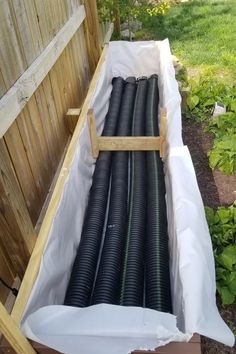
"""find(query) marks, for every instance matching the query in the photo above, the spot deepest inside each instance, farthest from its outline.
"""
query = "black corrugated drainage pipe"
(84, 268)
(133, 269)
(158, 295)
(107, 286)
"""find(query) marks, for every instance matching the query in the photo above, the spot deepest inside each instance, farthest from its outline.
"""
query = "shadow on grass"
(188, 20)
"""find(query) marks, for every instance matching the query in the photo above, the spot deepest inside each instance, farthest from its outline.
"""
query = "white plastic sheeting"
(114, 329)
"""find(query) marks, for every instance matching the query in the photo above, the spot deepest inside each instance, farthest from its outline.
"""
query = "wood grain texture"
(163, 128)
(12, 60)
(16, 229)
(5, 273)
(92, 33)
(21, 26)
(72, 117)
(35, 142)
(31, 130)
(93, 134)
(22, 170)
(34, 263)
(125, 143)
(33, 24)
(13, 334)
(12, 103)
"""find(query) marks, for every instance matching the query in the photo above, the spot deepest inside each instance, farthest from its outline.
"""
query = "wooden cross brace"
(127, 143)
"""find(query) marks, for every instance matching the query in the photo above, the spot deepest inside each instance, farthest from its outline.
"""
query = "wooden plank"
(163, 128)
(62, 14)
(12, 103)
(33, 23)
(13, 334)
(34, 263)
(70, 81)
(72, 116)
(92, 32)
(121, 143)
(2, 85)
(22, 29)
(126, 143)
(93, 134)
(11, 58)
(51, 189)
(5, 274)
(16, 229)
(53, 9)
(76, 72)
(48, 134)
(80, 52)
(57, 85)
(11, 298)
(42, 21)
(73, 112)
(31, 131)
(23, 170)
(8, 260)
(108, 34)
(52, 116)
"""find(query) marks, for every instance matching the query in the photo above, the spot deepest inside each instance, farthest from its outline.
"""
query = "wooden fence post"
(16, 228)
(92, 33)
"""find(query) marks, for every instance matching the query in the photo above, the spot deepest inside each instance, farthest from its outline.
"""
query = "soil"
(216, 189)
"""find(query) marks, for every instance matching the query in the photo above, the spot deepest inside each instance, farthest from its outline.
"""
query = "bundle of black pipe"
(111, 270)
(107, 284)
(84, 268)
(133, 271)
(158, 296)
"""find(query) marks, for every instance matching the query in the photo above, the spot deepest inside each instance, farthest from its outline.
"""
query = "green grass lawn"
(202, 34)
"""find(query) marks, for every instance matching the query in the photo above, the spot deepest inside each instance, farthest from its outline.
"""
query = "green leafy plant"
(223, 153)
(203, 95)
(129, 10)
(204, 92)
(222, 226)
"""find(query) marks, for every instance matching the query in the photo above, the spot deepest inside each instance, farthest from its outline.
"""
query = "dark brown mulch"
(216, 189)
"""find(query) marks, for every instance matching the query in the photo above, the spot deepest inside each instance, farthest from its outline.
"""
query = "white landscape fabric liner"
(104, 329)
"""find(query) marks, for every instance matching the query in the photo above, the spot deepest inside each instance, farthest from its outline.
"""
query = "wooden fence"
(48, 52)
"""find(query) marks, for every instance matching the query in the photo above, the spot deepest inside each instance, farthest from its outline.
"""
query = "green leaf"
(228, 257)
(209, 102)
(221, 273)
(224, 215)
(226, 295)
(231, 251)
(192, 101)
(214, 158)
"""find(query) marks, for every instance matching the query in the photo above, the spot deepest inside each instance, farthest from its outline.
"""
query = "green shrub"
(128, 10)
(204, 92)
(222, 227)
(223, 153)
